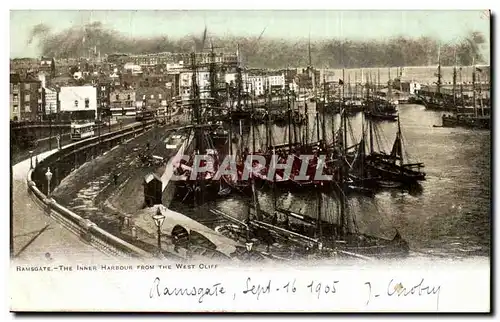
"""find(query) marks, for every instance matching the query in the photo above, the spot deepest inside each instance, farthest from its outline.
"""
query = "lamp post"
(109, 123)
(31, 159)
(50, 132)
(159, 218)
(48, 175)
(58, 138)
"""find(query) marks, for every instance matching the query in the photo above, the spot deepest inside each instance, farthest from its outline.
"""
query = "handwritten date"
(314, 287)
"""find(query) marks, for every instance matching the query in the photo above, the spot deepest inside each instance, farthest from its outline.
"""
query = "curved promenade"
(35, 235)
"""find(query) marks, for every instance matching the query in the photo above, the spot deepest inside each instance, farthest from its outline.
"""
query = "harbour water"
(448, 217)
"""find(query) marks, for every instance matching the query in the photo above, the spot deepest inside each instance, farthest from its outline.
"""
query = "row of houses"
(165, 58)
(127, 82)
(36, 97)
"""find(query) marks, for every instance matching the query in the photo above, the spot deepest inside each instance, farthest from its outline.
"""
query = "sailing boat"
(465, 119)
(203, 184)
(360, 178)
(391, 167)
(341, 234)
(379, 109)
(452, 120)
(437, 100)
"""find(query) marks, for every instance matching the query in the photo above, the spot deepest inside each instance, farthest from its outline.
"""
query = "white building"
(293, 86)
(185, 84)
(49, 93)
(78, 98)
(133, 68)
(42, 77)
(50, 101)
(257, 84)
(175, 67)
(230, 77)
(275, 81)
(414, 87)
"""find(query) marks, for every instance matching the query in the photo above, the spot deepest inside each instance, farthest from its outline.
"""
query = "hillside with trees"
(269, 52)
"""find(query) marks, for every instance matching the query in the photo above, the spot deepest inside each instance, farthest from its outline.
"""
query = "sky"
(447, 26)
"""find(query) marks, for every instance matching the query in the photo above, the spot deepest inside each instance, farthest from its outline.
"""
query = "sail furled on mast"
(329, 210)
(397, 147)
(359, 161)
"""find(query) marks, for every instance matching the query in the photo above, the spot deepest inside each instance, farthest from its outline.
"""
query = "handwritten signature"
(395, 289)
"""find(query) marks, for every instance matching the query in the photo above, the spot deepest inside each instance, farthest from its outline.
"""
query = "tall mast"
(439, 71)
(461, 89)
(480, 94)
(195, 96)
(378, 81)
(344, 113)
(289, 111)
(389, 87)
(474, 85)
(213, 77)
(370, 125)
(269, 120)
(292, 107)
(343, 156)
(317, 125)
(324, 109)
(239, 81)
(318, 222)
(196, 106)
(230, 134)
(306, 112)
(252, 120)
(399, 136)
(311, 68)
(349, 88)
(401, 78)
(332, 113)
(275, 199)
(309, 51)
(355, 85)
(455, 79)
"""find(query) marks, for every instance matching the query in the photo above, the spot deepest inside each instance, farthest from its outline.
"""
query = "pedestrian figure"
(275, 219)
(115, 178)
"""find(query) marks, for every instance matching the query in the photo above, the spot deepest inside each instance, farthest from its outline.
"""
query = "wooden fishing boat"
(391, 167)
(381, 116)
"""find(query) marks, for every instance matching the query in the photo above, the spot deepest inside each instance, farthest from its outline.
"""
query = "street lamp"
(109, 122)
(48, 175)
(31, 159)
(50, 134)
(159, 218)
(249, 246)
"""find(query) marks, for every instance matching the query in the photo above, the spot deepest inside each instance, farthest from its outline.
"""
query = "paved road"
(36, 236)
